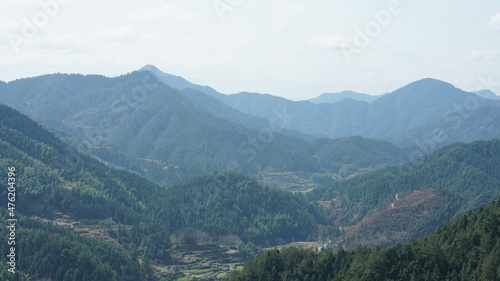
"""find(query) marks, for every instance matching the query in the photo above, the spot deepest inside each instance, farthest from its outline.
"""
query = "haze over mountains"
(216, 159)
(336, 97)
(63, 187)
(424, 103)
(136, 122)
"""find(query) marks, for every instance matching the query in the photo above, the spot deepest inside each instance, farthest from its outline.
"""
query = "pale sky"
(294, 49)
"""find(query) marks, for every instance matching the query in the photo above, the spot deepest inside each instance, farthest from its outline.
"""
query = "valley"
(179, 182)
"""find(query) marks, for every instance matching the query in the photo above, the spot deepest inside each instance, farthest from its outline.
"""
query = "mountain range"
(426, 103)
(89, 215)
(81, 220)
(336, 97)
(138, 123)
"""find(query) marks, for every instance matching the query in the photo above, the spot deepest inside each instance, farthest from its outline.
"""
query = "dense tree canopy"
(466, 249)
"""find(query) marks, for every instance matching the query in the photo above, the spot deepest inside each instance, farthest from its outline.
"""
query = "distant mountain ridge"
(336, 97)
(487, 94)
(178, 82)
(137, 122)
(425, 102)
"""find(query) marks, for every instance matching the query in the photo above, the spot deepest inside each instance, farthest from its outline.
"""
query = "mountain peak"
(428, 86)
(150, 67)
(178, 82)
(336, 97)
(432, 82)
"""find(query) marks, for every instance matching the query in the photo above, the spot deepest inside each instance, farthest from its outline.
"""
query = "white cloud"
(9, 25)
(329, 41)
(281, 27)
(487, 54)
(495, 21)
(166, 11)
(18, 4)
(193, 38)
(240, 43)
(289, 11)
(65, 40)
(117, 34)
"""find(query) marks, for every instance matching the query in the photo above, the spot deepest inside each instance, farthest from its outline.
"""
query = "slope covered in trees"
(465, 126)
(464, 177)
(232, 204)
(391, 116)
(47, 251)
(137, 122)
(466, 249)
(117, 218)
(54, 181)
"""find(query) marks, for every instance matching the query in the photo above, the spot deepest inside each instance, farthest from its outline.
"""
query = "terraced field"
(206, 262)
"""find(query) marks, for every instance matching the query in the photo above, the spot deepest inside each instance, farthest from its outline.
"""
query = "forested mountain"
(56, 184)
(469, 126)
(116, 218)
(220, 109)
(402, 202)
(178, 82)
(138, 123)
(120, 223)
(466, 249)
(417, 104)
(336, 97)
(227, 203)
(391, 116)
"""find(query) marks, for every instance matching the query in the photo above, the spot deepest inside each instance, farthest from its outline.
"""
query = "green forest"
(232, 204)
(467, 249)
(145, 132)
(135, 217)
(463, 176)
(159, 188)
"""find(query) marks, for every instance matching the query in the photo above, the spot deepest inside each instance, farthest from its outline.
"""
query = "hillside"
(138, 123)
(105, 220)
(178, 82)
(220, 109)
(55, 183)
(392, 116)
(227, 203)
(403, 202)
(481, 124)
(417, 104)
(466, 249)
